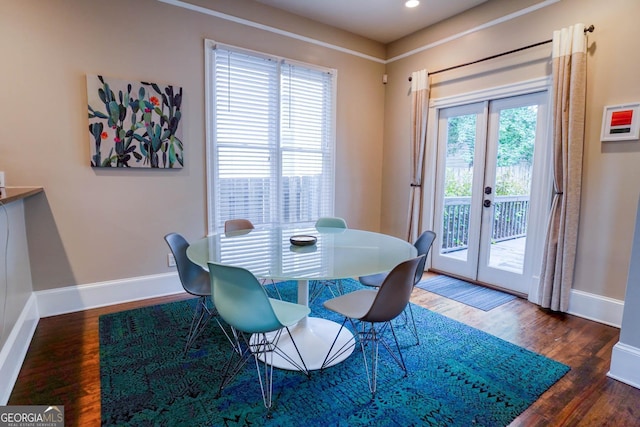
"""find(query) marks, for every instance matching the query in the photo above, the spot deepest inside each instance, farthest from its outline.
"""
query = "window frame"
(211, 143)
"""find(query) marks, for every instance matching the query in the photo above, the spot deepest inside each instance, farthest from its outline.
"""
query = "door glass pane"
(461, 139)
(516, 139)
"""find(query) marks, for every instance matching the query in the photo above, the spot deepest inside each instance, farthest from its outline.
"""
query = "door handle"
(486, 203)
(487, 190)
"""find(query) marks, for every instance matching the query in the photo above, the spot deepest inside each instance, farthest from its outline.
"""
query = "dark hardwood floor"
(62, 365)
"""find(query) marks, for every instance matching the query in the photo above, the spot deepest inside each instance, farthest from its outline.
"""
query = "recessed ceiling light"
(412, 3)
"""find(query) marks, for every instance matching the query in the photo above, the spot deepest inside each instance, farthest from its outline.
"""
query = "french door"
(486, 184)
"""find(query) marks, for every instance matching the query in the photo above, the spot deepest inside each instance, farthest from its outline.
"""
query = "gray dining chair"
(195, 281)
(334, 286)
(423, 245)
(374, 309)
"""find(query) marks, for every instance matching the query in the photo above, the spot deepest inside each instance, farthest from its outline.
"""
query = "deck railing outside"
(510, 220)
(301, 204)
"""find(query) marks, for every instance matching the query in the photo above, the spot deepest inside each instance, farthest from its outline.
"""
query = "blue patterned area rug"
(467, 293)
(458, 376)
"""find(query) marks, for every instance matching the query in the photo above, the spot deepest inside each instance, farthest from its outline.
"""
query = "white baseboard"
(71, 299)
(625, 360)
(15, 348)
(83, 297)
(596, 307)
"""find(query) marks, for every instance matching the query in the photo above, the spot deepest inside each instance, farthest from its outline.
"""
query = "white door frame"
(541, 191)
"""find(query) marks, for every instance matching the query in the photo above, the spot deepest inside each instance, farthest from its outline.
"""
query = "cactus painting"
(134, 125)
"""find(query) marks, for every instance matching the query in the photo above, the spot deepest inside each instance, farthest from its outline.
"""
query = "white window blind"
(272, 139)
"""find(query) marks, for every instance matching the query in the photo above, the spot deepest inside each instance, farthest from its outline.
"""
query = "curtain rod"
(586, 30)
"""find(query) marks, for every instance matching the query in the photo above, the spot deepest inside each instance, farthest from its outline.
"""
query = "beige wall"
(611, 182)
(96, 225)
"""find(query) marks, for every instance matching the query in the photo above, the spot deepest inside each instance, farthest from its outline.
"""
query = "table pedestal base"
(313, 337)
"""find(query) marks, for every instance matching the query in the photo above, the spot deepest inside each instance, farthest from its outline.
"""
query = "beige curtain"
(569, 89)
(419, 112)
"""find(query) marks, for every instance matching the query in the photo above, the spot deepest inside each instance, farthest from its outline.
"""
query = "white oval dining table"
(337, 254)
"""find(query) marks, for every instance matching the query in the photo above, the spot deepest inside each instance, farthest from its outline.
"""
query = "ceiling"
(380, 20)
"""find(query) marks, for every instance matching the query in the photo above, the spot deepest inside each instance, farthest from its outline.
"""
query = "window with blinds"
(272, 139)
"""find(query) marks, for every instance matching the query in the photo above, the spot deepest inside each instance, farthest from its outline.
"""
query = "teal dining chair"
(423, 245)
(374, 311)
(334, 286)
(331, 221)
(258, 324)
(195, 281)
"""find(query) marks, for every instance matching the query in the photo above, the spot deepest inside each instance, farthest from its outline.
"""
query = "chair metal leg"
(262, 347)
(265, 346)
(236, 360)
(338, 285)
(263, 282)
(369, 338)
(275, 286)
(315, 290)
(329, 358)
(410, 322)
(201, 317)
(267, 343)
(318, 286)
(374, 337)
(397, 357)
(412, 327)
